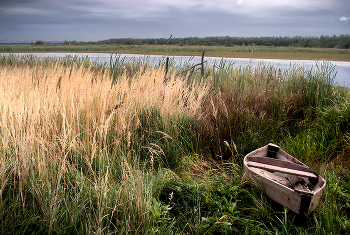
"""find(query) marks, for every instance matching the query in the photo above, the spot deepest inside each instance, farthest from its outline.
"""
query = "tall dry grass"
(68, 135)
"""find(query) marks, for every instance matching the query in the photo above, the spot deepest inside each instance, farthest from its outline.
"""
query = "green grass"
(217, 51)
(88, 148)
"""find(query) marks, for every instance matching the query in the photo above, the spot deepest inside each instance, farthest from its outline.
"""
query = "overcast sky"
(93, 20)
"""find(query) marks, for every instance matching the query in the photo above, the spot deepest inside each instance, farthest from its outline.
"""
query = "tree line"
(341, 41)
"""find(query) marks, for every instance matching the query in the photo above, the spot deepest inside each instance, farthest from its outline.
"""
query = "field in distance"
(266, 52)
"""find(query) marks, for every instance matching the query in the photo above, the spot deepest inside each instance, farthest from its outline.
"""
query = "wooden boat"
(284, 179)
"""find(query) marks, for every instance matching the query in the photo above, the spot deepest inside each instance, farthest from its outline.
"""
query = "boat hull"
(278, 186)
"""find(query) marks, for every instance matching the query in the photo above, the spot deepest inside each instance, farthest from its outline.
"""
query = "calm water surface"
(342, 68)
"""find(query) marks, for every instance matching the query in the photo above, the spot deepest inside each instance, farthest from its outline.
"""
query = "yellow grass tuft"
(55, 119)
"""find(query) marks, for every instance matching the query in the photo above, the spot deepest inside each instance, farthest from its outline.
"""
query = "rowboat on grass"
(284, 179)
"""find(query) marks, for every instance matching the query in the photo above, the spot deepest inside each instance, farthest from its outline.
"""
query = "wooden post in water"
(202, 71)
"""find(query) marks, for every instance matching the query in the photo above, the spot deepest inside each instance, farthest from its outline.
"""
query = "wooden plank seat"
(277, 165)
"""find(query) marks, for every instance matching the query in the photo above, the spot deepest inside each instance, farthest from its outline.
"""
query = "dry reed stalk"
(54, 119)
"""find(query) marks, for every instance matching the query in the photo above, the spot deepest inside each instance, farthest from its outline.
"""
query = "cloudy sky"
(92, 20)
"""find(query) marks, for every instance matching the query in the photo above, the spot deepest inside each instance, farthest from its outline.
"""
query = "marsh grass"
(88, 148)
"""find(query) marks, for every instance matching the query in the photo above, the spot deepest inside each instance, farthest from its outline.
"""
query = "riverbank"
(340, 73)
(258, 52)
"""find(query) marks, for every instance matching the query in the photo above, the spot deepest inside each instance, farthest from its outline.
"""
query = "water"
(342, 68)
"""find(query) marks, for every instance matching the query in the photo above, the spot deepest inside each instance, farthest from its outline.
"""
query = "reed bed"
(60, 124)
(87, 148)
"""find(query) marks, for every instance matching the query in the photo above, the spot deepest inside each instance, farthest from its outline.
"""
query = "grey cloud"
(96, 20)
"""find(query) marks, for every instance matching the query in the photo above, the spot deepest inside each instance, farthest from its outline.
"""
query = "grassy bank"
(86, 148)
(264, 52)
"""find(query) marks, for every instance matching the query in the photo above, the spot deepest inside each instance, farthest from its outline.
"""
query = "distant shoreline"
(259, 52)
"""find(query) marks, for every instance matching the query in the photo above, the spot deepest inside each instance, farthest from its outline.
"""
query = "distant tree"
(39, 43)
(342, 41)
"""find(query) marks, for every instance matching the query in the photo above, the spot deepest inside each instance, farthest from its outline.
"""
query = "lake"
(342, 68)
